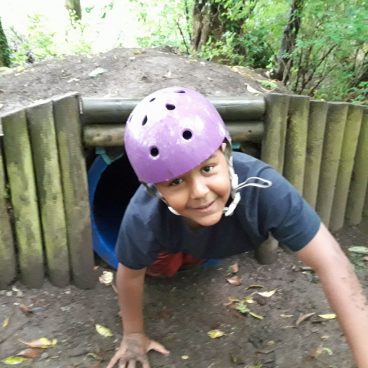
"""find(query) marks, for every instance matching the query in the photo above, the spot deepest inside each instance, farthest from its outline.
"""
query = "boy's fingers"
(154, 345)
(113, 361)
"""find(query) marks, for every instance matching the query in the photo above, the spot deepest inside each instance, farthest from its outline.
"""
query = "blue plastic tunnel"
(110, 188)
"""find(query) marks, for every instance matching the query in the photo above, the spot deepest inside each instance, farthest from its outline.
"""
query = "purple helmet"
(170, 132)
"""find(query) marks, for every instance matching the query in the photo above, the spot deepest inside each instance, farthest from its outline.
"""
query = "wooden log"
(316, 130)
(100, 135)
(7, 252)
(74, 180)
(19, 166)
(50, 193)
(358, 185)
(272, 152)
(273, 143)
(266, 253)
(334, 133)
(117, 110)
(296, 141)
(349, 146)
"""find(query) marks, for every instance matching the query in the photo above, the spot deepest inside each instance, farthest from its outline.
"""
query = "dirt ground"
(179, 311)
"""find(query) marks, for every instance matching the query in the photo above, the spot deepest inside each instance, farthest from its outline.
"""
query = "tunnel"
(110, 185)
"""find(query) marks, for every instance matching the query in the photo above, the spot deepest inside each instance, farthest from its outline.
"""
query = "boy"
(192, 205)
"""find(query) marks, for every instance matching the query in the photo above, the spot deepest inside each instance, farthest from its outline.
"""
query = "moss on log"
(273, 143)
(358, 185)
(316, 130)
(7, 252)
(49, 189)
(74, 179)
(117, 110)
(19, 166)
(334, 134)
(100, 135)
(296, 141)
(349, 147)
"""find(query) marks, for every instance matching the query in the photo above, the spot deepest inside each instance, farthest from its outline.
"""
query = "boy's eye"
(175, 182)
(207, 169)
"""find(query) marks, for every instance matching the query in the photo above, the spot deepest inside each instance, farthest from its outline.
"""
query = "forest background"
(315, 47)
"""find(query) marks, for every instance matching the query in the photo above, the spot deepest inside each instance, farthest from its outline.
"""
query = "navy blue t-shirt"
(148, 227)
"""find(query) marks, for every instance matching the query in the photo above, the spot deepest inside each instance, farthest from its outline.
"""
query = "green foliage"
(4, 48)
(40, 44)
(165, 23)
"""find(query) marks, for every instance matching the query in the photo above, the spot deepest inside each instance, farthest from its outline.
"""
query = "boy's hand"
(133, 349)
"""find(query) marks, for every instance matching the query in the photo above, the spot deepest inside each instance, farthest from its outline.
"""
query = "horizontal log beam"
(112, 135)
(117, 110)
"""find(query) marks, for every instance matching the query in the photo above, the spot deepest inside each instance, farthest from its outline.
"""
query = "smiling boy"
(198, 200)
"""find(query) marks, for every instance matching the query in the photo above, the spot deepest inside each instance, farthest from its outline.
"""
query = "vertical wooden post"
(19, 166)
(7, 253)
(273, 143)
(272, 152)
(349, 146)
(336, 118)
(316, 131)
(358, 185)
(49, 189)
(296, 141)
(74, 179)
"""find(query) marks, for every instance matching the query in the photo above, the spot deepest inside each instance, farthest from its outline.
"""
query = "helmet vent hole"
(187, 134)
(170, 107)
(152, 99)
(180, 91)
(154, 152)
(144, 121)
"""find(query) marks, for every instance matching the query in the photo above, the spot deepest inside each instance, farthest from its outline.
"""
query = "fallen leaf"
(242, 307)
(254, 286)
(327, 316)
(13, 360)
(249, 299)
(185, 357)
(234, 268)
(286, 315)
(266, 294)
(103, 331)
(25, 309)
(106, 278)
(30, 353)
(252, 90)
(215, 334)
(255, 315)
(234, 280)
(6, 323)
(42, 343)
(359, 249)
(316, 353)
(303, 317)
(96, 72)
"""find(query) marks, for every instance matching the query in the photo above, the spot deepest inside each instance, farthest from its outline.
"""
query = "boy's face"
(201, 194)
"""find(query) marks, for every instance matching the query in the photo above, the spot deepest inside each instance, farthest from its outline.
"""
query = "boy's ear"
(223, 147)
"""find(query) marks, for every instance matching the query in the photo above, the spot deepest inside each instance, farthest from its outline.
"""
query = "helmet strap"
(252, 181)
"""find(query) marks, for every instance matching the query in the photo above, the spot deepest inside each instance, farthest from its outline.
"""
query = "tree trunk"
(74, 9)
(4, 48)
(288, 42)
(205, 22)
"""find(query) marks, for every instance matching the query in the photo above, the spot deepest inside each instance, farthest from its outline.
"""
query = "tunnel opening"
(110, 188)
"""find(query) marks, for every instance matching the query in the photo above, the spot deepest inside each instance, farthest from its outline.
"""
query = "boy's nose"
(198, 188)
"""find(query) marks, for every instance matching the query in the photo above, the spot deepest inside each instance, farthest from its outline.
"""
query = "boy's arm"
(135, 344)
(342, 289)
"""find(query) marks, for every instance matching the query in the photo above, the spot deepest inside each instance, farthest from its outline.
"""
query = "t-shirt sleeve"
(136, 246)
(287, 215)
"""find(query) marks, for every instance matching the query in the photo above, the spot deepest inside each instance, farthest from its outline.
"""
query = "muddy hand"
(133, 349)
